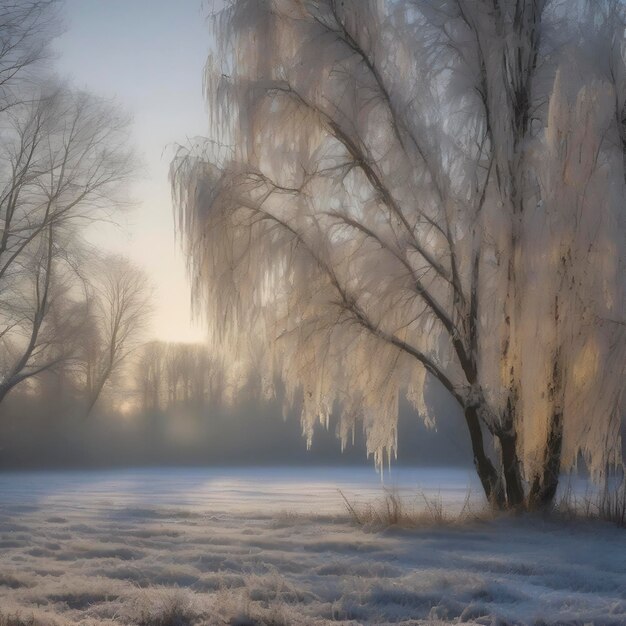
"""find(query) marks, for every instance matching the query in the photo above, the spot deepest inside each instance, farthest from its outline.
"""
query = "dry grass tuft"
(394, 510)
(17, 620)
(168, 608)
(612, 506)
(607, 505)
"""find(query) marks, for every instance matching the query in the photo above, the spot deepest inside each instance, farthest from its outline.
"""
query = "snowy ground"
(179, 547)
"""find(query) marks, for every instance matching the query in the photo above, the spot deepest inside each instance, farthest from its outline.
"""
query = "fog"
(248, 432)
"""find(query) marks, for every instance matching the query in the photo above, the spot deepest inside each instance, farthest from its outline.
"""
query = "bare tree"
(26, 30)
(430, 183)
(63, 160)
(32, 339)
(119, 310)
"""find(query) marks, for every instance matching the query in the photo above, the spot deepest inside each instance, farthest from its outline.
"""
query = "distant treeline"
(171, 374)
(171, 406)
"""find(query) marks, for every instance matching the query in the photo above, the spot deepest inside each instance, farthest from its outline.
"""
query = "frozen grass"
(100, 555)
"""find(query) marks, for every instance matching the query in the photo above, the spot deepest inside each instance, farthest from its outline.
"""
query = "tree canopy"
(399, 194)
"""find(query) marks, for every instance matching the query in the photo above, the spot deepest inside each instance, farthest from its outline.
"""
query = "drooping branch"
(363, 162)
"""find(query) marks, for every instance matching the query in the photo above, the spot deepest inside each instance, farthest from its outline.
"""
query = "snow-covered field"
(260, 546)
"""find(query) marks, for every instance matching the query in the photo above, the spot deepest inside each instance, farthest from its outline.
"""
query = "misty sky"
(148, 55)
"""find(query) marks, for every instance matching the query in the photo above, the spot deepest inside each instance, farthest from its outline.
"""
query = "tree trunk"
(94, 394)
(4, 390)
(511, 469)
(546, 480)
(487, 473)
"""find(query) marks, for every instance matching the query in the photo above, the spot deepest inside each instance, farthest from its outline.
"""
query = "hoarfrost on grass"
(275, 547)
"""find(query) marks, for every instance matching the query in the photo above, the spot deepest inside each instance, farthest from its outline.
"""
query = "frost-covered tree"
(400, 192)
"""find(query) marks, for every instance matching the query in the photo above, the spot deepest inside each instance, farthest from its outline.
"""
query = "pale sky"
(148, 55)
